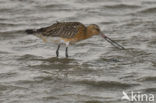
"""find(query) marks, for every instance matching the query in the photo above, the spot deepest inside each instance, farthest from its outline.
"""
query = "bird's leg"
(57, 51)
(66, 52)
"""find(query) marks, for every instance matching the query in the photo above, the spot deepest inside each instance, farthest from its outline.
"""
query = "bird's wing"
(62, 29)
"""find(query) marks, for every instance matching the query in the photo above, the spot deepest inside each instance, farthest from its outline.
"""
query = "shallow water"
(95, 72)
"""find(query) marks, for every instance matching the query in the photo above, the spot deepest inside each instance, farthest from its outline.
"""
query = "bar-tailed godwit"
(69, 32)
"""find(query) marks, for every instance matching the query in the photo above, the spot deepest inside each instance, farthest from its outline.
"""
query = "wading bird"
(69, 32)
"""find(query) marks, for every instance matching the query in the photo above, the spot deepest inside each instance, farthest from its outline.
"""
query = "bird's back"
(62, 29)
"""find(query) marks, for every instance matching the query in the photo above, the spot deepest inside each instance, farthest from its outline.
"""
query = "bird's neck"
(89, 34)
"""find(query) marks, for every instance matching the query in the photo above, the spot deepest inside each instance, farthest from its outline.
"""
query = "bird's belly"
(53, 40)
(56, 40)
(48, 39)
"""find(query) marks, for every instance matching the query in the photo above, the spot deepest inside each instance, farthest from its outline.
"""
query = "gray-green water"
(95, 72)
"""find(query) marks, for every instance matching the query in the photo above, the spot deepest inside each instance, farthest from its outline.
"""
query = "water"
(95, 72)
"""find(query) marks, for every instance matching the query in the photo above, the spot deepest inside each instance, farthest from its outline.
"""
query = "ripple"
(122, 6)
(93, 101)
(8, 35)
(28, 57)
(149, 90)
(147, 79)
(56, 6)
(107, 84)
(96, 72)
(148, 10)
(55, 63)
(7, 75)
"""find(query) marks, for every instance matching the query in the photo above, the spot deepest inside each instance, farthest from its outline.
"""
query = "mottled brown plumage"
(62, 29)
(69, 32)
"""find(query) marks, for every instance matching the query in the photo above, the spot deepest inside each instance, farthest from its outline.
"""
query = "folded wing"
(62, 29)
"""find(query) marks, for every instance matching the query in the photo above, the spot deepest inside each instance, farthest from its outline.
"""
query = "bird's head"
(94, 29)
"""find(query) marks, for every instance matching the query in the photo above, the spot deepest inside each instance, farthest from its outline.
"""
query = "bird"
(68, 33)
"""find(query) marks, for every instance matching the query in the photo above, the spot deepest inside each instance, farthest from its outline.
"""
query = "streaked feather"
(62, 29)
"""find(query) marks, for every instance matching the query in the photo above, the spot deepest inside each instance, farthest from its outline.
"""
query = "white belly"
(53, 39)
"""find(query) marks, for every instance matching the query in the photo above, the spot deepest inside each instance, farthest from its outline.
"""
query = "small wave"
(55, 6)
(7, 75)
(10, 33)
(149, 2)
(3, 87)
(93, 101)
(4, 52)
(28, 57)
(148, 10)
(147, 79)
(50, 98)
(107, 84)
(10, 87)
(11, 24)
(149, 90)
(6, 24)
(123, 6)
(2, 10)
(55, 60)
(90, 1)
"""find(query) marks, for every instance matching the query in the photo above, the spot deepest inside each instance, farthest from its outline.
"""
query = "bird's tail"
(30, 31)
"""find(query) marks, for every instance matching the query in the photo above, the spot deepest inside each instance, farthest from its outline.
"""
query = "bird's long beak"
(112, 41)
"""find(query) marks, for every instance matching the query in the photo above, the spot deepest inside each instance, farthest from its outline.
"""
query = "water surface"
(95, 72)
